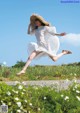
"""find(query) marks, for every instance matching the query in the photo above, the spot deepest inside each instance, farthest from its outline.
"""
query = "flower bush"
(39, 99)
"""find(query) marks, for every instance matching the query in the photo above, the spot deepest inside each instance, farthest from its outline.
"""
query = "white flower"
(19, 104)
(1, 101)
(39, 109)
(25, 101)
(15, 91)
(78, 98)
(77, 91)
(75, 74)
(21, 107)
(16, 98)
(66, 98)
(18, 110)
(3, 104)
(30, 104)
(36, 87)
(24, 90)
(75, 80)
(44, 98)
(76, 86)
(62, 95)
(67, 80)
(8, 93)
(22, 93)
(24, 83)
(20, 87)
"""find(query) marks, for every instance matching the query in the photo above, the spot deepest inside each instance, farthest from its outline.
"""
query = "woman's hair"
(36, 27)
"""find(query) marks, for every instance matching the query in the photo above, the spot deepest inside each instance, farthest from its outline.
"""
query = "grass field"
(37, 72)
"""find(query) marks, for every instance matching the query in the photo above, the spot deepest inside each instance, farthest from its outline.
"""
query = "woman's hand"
(63, 34)
(60, 34)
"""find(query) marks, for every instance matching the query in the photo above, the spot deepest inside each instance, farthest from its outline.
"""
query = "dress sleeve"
(30, 31)
(51, 30)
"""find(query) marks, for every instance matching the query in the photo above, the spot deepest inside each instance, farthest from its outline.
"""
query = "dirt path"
(60, 84)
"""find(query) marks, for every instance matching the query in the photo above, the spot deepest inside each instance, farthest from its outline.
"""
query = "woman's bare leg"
(30, 58)
(64, 52)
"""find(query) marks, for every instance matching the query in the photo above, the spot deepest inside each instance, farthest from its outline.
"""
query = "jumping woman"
(47, 41)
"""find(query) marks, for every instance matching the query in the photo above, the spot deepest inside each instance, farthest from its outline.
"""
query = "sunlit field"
(68, 71)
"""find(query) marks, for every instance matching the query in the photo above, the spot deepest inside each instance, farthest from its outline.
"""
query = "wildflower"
(67, 80)
(30, 104)
(21, 107)
(44, 98)
(25, 101)
(39, 109)
(1, 101)
(15, 91)
(75, 74)
(16, 98)
(18, 110)
(78, 98)
(9, 103)
(36, 87)
(3, 104)
(62, 95)
(22, 93)
(24, 90)
(19, 104)
(24, 83)
(20, 87)
(74, 80)
(66, 98)
(77, 91)
(8, 93)
(76, 86)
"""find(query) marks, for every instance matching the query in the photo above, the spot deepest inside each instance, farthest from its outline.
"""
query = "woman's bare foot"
(21, 72)
(66, 52)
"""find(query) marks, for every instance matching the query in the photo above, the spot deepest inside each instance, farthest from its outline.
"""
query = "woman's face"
(37, 23)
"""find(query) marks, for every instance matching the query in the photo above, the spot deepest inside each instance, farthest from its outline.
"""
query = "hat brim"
(35, 16)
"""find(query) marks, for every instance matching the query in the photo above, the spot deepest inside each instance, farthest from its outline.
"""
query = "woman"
(47, 41)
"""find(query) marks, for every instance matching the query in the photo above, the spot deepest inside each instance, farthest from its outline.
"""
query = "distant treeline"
(21, 64)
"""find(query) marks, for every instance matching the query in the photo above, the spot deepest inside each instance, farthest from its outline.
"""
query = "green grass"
(40, 73)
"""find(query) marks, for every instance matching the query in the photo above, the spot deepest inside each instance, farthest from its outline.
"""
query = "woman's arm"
(30, 31)
(61, 34)
(52, 30)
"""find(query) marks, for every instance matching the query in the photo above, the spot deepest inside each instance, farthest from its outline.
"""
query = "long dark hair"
(36, 27)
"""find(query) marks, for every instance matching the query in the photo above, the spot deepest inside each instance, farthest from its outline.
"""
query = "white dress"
(47, 42)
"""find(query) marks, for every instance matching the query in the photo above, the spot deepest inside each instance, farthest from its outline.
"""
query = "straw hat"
(36, 16)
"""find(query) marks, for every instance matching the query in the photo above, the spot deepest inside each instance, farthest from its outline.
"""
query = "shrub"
(37, 99)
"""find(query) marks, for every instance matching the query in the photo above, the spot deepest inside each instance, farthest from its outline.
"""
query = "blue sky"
(14, 19)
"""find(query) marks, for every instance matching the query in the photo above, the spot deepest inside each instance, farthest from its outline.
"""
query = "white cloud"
(73, 39)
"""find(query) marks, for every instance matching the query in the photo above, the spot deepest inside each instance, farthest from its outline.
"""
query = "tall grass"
(40, 72)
